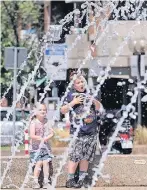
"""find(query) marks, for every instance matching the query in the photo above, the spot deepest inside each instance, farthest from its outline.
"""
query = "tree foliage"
(16, 15)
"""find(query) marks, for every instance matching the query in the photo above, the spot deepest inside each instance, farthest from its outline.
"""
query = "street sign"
(9, 56)
(56, 50)
(54, 61)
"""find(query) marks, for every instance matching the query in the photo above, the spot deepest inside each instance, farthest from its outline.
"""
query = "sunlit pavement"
(138, 149)
(110, 188)
(99, 188)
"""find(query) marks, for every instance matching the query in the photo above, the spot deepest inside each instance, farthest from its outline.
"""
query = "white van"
(6, 127)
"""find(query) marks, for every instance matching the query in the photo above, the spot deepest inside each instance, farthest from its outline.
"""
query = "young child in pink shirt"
(40, 150)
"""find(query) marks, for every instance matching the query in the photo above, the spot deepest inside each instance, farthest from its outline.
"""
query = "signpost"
(14, 57)
(55, 63)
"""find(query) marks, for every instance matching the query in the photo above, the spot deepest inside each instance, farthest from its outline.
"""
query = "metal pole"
(36, 96)
(139, 122)
(75, 16)
(139, 108)
(14, 96)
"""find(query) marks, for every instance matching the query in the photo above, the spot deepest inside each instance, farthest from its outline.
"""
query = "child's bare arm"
(32, 133)
(51, 134)
(97, 104)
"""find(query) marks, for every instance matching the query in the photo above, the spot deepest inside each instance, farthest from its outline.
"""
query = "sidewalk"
(110, 188)
(138, 149)
(98, 188)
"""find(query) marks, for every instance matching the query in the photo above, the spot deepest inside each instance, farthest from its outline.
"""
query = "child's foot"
(49, 180)
(79, 184)
(35, 185)
(87, 182)
(45, 185)
(70, 183)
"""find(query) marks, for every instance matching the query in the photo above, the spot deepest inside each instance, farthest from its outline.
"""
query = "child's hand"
(46, 139)
(78, 100)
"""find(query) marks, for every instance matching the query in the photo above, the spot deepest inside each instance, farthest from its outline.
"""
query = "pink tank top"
(42, 131)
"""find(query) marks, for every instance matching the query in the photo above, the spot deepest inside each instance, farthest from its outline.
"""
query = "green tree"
(17, 15)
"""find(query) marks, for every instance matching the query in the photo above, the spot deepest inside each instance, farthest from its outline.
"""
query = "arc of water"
(8, 116)
(98, 88)
(133, 100)
(64, 160)
(22, 66)
(61, 168)
(31, 164)
(112, 61)
(99, 172)
(72, 46)
(99, 168)
(14, 104)
(66, 19)
(8, 165)
(77, 131)
(88, 57)
(71, 141)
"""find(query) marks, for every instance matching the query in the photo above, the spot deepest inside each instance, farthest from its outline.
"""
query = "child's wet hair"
(36, 108)
(78, 74)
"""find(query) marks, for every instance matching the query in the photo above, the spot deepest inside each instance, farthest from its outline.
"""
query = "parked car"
(6, 127)
(124, 140)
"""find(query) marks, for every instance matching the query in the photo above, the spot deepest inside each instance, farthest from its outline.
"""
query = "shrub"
(59, 137)
(141, 135)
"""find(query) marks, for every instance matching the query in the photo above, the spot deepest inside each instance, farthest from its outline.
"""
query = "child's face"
(41, 111)
(79, 84)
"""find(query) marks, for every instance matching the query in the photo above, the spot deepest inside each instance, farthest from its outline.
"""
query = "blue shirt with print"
(87, 128)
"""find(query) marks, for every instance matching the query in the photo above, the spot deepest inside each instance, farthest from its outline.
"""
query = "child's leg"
(84, 165)
(46, 170)
(37, 169)
(72, 166)
(83, 169)
(50, 169)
